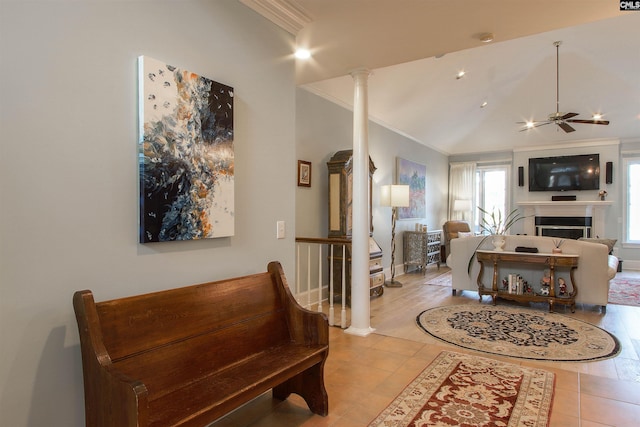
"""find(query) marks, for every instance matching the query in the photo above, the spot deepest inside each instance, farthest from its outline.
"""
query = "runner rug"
(441, 280)
(463, 390)
(519, 332)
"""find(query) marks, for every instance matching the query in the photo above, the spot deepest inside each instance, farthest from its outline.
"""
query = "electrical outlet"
(280, 230)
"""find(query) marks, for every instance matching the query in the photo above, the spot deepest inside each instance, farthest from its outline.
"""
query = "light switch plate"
(280, 230)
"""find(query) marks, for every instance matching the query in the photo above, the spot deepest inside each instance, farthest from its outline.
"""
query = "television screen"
(564, 173)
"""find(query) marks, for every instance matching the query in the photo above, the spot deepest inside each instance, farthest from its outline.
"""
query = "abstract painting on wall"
(186, 154)
(414, 175)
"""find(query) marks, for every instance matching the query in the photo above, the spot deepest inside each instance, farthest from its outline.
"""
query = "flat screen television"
(565, 173)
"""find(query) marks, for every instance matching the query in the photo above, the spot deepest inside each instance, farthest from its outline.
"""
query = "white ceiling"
(418, 95)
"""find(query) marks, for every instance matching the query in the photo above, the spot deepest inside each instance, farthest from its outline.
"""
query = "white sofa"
(595, 266)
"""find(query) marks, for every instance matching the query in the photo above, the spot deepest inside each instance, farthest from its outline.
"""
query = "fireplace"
(566, 227)
(565, 219)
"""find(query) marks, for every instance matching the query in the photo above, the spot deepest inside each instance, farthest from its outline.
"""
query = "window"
(631, 204)
(491, 191)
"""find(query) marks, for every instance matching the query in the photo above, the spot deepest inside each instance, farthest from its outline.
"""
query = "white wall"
(322, 129)
(608, 150)
(68, 172)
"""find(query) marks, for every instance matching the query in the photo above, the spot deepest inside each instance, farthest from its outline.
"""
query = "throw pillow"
(609, 242)
(465, 233)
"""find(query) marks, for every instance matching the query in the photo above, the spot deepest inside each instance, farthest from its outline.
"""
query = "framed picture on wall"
(304, 173)
(414, 175)
(186, 156)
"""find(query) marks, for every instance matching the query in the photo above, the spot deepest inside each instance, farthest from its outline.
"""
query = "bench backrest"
(245, 307)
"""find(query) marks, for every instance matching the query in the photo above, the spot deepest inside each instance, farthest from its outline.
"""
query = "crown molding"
(287, 14)
(570, 144)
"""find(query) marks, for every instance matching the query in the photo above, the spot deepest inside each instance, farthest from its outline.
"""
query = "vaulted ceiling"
(414, 49)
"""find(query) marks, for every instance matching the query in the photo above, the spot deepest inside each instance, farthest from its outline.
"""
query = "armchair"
(450, 229)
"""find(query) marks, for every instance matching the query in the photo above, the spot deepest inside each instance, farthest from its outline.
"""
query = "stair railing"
(312, 292)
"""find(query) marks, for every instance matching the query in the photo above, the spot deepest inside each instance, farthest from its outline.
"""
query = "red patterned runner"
(463, 390)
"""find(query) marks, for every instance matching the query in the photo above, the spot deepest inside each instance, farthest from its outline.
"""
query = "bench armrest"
(111, 398)
(306, 326)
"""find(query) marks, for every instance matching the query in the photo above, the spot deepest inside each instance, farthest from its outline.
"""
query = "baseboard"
(630, 265)
(399, 271)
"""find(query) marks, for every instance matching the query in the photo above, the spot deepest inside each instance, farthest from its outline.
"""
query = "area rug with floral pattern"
(518, 332)
(464, 390)
(624, 290)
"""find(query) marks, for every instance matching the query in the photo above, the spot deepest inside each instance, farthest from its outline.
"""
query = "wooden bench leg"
(310, 385)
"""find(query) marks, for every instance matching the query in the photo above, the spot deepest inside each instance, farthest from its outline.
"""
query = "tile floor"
(364, 374)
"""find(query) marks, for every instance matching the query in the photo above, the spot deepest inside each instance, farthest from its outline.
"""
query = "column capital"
(360, 72)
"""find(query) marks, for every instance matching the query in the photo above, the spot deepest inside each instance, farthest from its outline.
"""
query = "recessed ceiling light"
(460, 74)
(484, 104)
(486, 37)
(303, 53)
(529, 124)
(597, 116)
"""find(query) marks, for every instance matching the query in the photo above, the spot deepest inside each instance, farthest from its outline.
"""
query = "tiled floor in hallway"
(364, 374)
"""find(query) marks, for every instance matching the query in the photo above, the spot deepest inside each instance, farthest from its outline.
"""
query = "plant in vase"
(493, 223)
(496, 226)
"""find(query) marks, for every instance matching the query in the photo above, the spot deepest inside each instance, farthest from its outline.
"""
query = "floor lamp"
(395, 196)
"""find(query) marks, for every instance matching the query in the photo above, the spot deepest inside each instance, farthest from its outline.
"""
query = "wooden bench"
(187, 356)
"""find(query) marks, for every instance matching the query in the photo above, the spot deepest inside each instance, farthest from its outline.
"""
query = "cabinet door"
(334, 203)
(341, 194)
(414, 249)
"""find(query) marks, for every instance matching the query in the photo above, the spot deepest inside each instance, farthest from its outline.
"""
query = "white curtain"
(462, 177)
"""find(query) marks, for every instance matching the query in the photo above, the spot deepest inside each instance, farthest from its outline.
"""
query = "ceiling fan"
(559, 118)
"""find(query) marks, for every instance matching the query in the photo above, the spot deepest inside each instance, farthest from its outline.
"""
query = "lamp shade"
(394, 195)
(461, 205)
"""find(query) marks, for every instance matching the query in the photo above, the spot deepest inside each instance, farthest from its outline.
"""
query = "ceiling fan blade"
(535, 125)
(568, 116)
(538, 124)
(592, 122)
(565, 127)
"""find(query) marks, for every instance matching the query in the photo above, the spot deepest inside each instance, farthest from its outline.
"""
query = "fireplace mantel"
(567, 203)
(585, 208)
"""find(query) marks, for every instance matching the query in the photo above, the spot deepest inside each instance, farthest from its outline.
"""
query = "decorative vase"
(498, 243)
(556, 250)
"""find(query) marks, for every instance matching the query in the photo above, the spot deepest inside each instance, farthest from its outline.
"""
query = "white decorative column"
(360, 308)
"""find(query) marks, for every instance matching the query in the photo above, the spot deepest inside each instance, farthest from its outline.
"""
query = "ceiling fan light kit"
(561, 119)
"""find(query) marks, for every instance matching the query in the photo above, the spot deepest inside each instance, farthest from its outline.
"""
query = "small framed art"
(304, 173)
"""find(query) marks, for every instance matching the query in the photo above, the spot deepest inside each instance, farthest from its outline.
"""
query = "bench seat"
(219, 392)
(187, 356)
